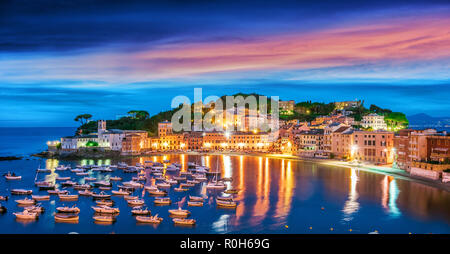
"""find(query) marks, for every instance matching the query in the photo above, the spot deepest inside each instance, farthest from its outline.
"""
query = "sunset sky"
(62, 58)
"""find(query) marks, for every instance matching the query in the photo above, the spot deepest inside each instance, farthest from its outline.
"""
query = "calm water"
(277, 196)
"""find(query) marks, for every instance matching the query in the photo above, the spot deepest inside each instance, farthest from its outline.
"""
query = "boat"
(162, 201)
(179, 178)
(180, 221)
(57, 192)
(35, 209)
(188, 185)
(151, 188)
(120, 192)
(43, 170)
(26, 201)
(101, 218)
(216, 185)
(135, 202)
(12, 176)
(180, 189)
(226, 179)
(82, 186)
(67, 209)
(225, 198)
(101, 195)
(62, 178)
(166, 161)
(163, 185)
(68, 197)
(40, 197)
(69, 218)
(195, 203)
(104, 202)
(68, 183)
(149, 219)
(157, 193)
(140, 211)
(77, 170)
(115, 178)
(128, 197)
(21, 192)
(3, 209)
(226, 204)
(179, 212)
(85, 193)
(231, 191)
(102, 183)
(25, 215)
(106, 209)
(90, 178)
(82, 174)
(195, 198)
(3, 198)
(133, 184)
(171, 181)
(62, 168)
(104, 188)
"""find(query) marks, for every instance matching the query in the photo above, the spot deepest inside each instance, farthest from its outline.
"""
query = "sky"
(59, 59)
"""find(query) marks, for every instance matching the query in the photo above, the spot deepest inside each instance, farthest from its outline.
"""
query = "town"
(372, 140)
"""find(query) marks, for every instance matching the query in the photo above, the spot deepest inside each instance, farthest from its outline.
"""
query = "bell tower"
(101, 127)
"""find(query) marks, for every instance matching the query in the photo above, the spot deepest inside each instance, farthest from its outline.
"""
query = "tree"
(139, 114)
(83, 118)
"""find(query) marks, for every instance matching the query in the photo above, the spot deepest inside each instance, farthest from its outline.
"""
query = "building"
(411, 145)
(343, 105)
(373, 121)
(286, 107)
(373, 146)
(341, 142)
(310, 143)
(164, 128)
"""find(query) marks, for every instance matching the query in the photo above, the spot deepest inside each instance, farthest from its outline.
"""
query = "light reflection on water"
(273, 193)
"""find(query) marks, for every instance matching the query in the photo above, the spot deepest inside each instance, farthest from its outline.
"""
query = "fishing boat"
(101, 218)
(135, 202)
(25, 215)
(26, 201)
(106, 209)
(68, 197)
(226, 204)
(67, 209)
(62, 178)
(149, 219)
(21, 192)
(12, 176)
(101, 195)
(3, 198)
(104, 202)
(157, 193)
(115, 178)
(180, 221)
(120, 192)
(195, 198)
(194, 203)
(162, 201)
(57, 192)
(68, 218)
(179, 212)
(140, 211)
(40, 197)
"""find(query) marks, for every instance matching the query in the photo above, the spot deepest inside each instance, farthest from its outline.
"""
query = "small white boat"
(26, 201)
(21, 192)
(179, 212)
(68, 197)
(12, 176)
(25, 215)
(67, 209)
(68, 218)
(157, 193)
(85, 193)
(104, 202)
(106, 209)
(162, 201)
(120, 192)
(163, 185)
(128, 197)
(180, 189)
(90, 178)
(57, 192)
(135, 202)
(115, 178)
(101, 195)
(226, 204)
(140, 211)
(107, 219)
(149, 219)
(179, 221)
(196, 198)
(62, 178)
(40, 197)
(216, 185)
(195, 203)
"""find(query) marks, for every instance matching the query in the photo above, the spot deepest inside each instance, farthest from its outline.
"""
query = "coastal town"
(337, 136)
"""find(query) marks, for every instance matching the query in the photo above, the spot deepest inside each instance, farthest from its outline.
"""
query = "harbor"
(183, 193)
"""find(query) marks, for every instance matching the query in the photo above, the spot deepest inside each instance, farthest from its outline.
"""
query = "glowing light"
(227, 134)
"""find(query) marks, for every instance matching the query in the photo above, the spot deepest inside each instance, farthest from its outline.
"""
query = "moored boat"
(3, 198)
(67, 209)
(106, 209)
(179, 212)
(26, 201)
(226, 204)
(196, 198)
(120, 192)
(21, 192)
(115, 178)
(140, 211)
(162, 201)
(104, 202)
(40, 197)
(195, 203)
(157, 193)
(149, 219)
(101, 218)
(128, 197)
(68, 197)
(101, 195)
(180, 221)
(135, 202)
(57, 192)
(12, 176)
(231, 191)
(69, 218)
(25, 215)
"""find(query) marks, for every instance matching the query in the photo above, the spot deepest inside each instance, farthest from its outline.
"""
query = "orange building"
(373, 146)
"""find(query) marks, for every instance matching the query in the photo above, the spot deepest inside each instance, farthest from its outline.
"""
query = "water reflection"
(351, 205)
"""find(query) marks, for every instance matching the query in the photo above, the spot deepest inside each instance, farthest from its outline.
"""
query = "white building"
(374, 121)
